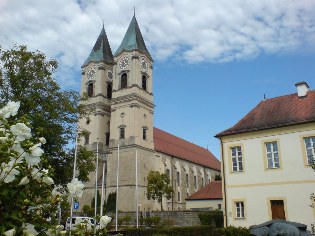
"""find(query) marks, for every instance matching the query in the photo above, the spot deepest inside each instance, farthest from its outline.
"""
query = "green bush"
(120, 221)
(202, 230)
(152, 220)
(212, 217)
(127, 219)
(156, 220)
(236, 231)
(148, 221)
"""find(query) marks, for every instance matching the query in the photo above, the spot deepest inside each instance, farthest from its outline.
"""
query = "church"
(120, 91)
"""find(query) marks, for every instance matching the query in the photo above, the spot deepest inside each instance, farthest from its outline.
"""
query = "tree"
(26, 76)
(158, 186)
(217, 177)
(111, 202)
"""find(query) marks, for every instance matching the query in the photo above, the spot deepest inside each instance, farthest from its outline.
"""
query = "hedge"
(202, 230)
(212, 218)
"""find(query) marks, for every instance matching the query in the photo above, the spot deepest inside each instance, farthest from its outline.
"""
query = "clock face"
(144, 65)
(110, 75)
(124, 62)
(91, 73)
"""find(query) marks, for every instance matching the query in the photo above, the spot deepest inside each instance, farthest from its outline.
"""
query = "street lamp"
(104, 160)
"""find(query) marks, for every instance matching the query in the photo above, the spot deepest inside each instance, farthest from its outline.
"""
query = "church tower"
(131, 126)
(97, 82)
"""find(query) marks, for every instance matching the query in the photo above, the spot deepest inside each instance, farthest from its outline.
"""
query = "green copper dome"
(133, 40)
(101, 50)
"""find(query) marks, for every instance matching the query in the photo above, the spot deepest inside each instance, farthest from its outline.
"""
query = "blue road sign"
(76, 205)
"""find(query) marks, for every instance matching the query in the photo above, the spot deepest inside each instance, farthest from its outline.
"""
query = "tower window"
(123, 82)
(90, 89)
(107, 139)
(178, 196)
(122, 133)
(144, 134)
(144, 82)
(109, 91)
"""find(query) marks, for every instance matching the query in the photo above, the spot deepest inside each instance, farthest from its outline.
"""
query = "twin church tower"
(120, 94)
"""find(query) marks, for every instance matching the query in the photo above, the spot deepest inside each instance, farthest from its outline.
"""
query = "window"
(272, 155)
(219, 206)
(177, 178)
(86, 139)
(310, 149)
(122, 133)
(107, 139)
(123, 82)
(90, 89)
(178, 196)
(187, 181)
(109, 91)
(195, 182)
(202, 182)
(168, 173)
(240, 213)
(144, 82)
(144, 134)
(237, 162)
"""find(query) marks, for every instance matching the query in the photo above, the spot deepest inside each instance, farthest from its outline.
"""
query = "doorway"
(277, 209)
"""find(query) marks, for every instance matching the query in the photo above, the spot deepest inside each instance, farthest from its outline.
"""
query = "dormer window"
(123, 81)
(144, 82)
(90, 89)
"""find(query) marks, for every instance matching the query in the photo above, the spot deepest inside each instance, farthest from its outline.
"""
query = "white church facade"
(120, 91)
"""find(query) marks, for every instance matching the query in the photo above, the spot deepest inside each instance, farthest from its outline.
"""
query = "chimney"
(302, 88)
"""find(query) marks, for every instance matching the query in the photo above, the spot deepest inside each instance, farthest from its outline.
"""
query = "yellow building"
(266, 161)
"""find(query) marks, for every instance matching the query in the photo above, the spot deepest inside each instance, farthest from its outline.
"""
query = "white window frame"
(237, 159)
(239, 210)
(272, 156)
(310, 151)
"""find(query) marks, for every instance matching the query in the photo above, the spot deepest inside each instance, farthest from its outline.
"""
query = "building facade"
(120, 123)
(266, 161)
(207, 198)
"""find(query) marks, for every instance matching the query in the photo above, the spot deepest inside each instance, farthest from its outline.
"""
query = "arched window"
(109, 91)
(122, 133)
(144, 82)
(90, 89)
(168, 173)
(123, 82)
(144, 134)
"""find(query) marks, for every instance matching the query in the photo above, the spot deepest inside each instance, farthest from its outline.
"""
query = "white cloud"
(188, 30)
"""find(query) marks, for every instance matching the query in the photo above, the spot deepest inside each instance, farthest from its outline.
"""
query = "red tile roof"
(177, 147)
(276, 112)
(213, 190)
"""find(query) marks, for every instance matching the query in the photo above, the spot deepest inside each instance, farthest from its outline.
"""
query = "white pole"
(96, 176)
(74, 169)
(102, 196)
(137, 188)
(117, 188)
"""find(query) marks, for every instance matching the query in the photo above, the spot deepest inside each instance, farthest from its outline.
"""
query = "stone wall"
(180, 218)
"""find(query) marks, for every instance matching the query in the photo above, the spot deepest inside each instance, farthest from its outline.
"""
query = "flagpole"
(117, 188)
(74, 168)
(102, 196)
(96, 176)
(137, 188)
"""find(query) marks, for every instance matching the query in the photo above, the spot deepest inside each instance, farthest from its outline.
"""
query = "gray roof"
(133, 40)
(101, 50)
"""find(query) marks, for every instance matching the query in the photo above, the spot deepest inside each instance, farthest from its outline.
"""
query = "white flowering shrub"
(28, 197)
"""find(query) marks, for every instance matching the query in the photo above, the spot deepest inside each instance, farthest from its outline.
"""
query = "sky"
(214, 61)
